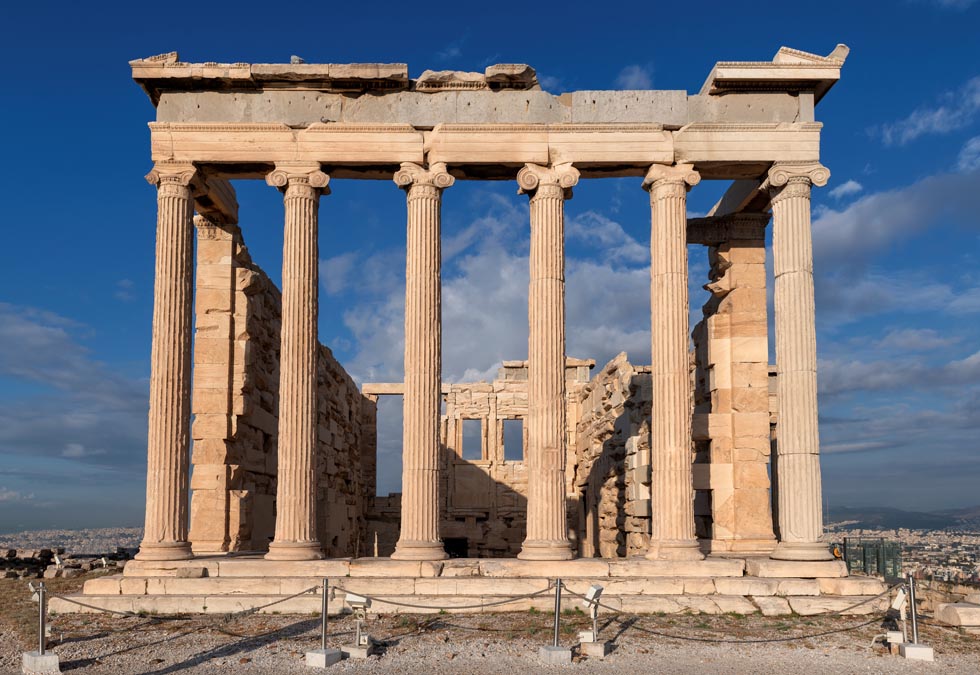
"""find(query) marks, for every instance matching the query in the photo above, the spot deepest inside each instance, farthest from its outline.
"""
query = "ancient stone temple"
(686, 480)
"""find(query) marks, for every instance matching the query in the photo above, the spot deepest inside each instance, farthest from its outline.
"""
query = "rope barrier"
(510, 599)
(495, 603)
(748, 641)
(226, 618)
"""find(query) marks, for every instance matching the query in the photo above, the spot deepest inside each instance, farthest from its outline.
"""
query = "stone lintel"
(391, 388)
(790, 70)
(714, 231)
(249, 150)
(216, 201)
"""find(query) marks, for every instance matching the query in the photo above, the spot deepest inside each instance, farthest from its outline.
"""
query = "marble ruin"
(687, 482)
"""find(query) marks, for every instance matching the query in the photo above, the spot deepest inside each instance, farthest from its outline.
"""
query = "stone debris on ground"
(481, 644)
(53, 554)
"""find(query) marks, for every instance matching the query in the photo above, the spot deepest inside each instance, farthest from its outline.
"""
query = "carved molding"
(172, 173)
(533, 176)
(411, 174)
(678, 174)
(299, 173)
(783, 173)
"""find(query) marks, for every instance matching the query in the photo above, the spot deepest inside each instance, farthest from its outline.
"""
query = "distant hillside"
(877, 517)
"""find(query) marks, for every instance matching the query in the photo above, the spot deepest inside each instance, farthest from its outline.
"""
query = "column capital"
(783, 173)
(302, 174)
(535, 176)
(677, 174)
(166, 172)
(411, 175)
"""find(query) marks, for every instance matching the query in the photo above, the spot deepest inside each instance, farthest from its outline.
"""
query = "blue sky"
(896, 232)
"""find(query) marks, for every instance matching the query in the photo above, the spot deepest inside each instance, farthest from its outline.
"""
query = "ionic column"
(168, 440)
(547, 531)
(296, 537)
(671, 488)
(798, 446)
(419, 538)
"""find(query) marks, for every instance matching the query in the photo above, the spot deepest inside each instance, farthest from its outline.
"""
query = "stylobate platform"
(223, 584)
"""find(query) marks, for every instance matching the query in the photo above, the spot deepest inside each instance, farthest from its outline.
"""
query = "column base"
(546, 550)
(164, 550)
(787, 550)
(294, 550)
(675, 549)
(419, 550)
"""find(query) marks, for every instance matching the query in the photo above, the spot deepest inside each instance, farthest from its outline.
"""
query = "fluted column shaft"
(419, 538)
(672, 489)
(547, 530)
(168, 439)
(296, 537)
(798, 442)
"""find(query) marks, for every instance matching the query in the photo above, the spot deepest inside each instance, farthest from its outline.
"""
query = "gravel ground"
(481, 644)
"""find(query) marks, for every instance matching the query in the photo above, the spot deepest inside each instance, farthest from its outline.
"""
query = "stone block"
(850, 586)
(772, 605)
(384, 567)
(322, 658)
(598, 650)
(555, 656)
(766, 567)
(746, 586)
(808, 606)
(960, 614)
(35, 663)
(799, 587)
(581, 567)
(709, 567)
(641, 106)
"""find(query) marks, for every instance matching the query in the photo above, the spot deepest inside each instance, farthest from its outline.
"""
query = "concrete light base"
(555, 656)
(33, 663)
(359, 652)
(321, 658)
(597, 650)
(915, 652)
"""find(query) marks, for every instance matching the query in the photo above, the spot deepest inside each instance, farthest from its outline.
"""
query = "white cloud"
(336, 273)
(969, 159)
(635, 77)
(956, 110)
(872, 223)
(550, 83)
(14, 496)
(80, 398)
(956, 5)
(915, 339)
(851, 187)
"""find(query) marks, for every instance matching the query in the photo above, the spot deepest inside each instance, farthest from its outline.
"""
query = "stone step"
(256, 566)
(477, 586)
(426, 604)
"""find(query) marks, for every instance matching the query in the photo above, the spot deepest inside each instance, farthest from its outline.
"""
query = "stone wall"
(482, 501)
(235, 403)
(731, 397)
(611, 468)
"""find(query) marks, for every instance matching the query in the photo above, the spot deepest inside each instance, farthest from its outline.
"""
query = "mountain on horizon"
(887, 518)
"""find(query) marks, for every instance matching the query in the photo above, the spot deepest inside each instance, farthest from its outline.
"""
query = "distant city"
(943, 546)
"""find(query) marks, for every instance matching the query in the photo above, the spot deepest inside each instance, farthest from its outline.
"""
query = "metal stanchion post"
(41, 662)
(41, 628)
(914, 650)
(323, 612)
(323, 657)
(915, 621)
(553, 653)
(557, 608)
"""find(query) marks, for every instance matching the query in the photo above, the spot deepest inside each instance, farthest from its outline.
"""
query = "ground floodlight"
(358, 601)
(900, 599)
